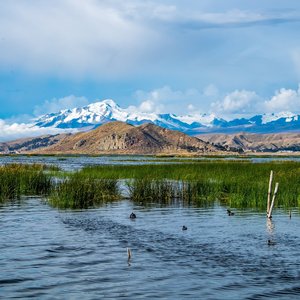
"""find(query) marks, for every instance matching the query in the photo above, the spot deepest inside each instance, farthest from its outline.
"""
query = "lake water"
(71, 163)
(52, 254)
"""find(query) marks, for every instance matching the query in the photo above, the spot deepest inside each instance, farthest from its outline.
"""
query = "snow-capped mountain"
(98, 113)
(95, 114)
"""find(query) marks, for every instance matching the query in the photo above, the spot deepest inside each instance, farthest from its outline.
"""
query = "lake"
(71, 163)
(51, 254)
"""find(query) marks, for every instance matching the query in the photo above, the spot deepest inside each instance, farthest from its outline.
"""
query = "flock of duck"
(229, 213)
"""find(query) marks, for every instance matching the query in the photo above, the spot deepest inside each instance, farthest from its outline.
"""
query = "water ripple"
(83, 254)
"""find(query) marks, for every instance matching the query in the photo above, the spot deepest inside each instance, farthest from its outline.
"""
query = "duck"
(230, 213)
(132, 216)
(271, 243)
(184, 227)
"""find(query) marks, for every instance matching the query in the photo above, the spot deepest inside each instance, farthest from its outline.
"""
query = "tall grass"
(234, 183)
(78, 193)
(19, 179)
(148, 190)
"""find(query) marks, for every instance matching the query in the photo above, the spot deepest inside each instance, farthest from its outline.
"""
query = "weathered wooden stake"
(129, 254)
(273, 200)
(290, 214)
(269, 192)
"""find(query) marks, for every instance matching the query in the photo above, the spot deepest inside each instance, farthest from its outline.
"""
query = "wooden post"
(269, 192)
(128, 254)
(273, 200)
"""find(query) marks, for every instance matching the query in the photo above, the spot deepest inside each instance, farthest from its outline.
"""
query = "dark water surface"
(51, 254)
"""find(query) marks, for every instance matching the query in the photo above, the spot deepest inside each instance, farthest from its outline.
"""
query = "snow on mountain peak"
(101, 112)
(271, 117)
(203, 119)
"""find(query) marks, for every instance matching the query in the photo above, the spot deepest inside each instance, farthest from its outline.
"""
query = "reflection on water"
(270, 226)
(51, 254)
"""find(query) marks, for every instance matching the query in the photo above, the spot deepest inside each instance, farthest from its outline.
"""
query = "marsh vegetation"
(234, 183)
(78, 193)
(18, 179)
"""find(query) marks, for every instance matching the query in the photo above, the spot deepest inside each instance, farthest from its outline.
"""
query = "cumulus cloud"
(9, 132)
(237, 102)
(242, 102)
(166, 100)
(55, 105)
(284, 100)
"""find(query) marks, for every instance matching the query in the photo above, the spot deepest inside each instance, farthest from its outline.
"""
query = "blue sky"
(222, 56)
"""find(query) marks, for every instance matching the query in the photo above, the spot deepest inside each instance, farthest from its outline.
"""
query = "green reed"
(147, 190)
(21, 179)
(77, 193)
(234, 183)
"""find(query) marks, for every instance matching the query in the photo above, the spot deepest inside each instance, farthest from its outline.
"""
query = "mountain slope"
(255, 142)
(30, 144)
(122, 138)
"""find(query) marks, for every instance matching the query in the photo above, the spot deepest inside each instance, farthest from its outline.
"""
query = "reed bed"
(148, 190)
(80, 193)
(234, 183)
(19, 179)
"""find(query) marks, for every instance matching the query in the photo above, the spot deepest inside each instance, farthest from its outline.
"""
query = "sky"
(228, 57)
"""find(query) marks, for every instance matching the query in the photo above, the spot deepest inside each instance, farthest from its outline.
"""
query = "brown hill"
(30, 144)
(255, 142)
(122, 138)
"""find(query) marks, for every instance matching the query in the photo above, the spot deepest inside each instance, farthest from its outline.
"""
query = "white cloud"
(9, 132)
(148, 106)
(284, 100)
(237, 102)
(176, 12)
(166, 100)
(105, 38)
(248, 103)
(55, 105)
(73, 37)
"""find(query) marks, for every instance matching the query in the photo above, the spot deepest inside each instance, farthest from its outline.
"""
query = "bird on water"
(184, 227)
(271, 243)
(230, 213)
(132, 216)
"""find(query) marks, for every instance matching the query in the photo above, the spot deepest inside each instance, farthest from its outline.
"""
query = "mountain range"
(98, 113)
(106, 128)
